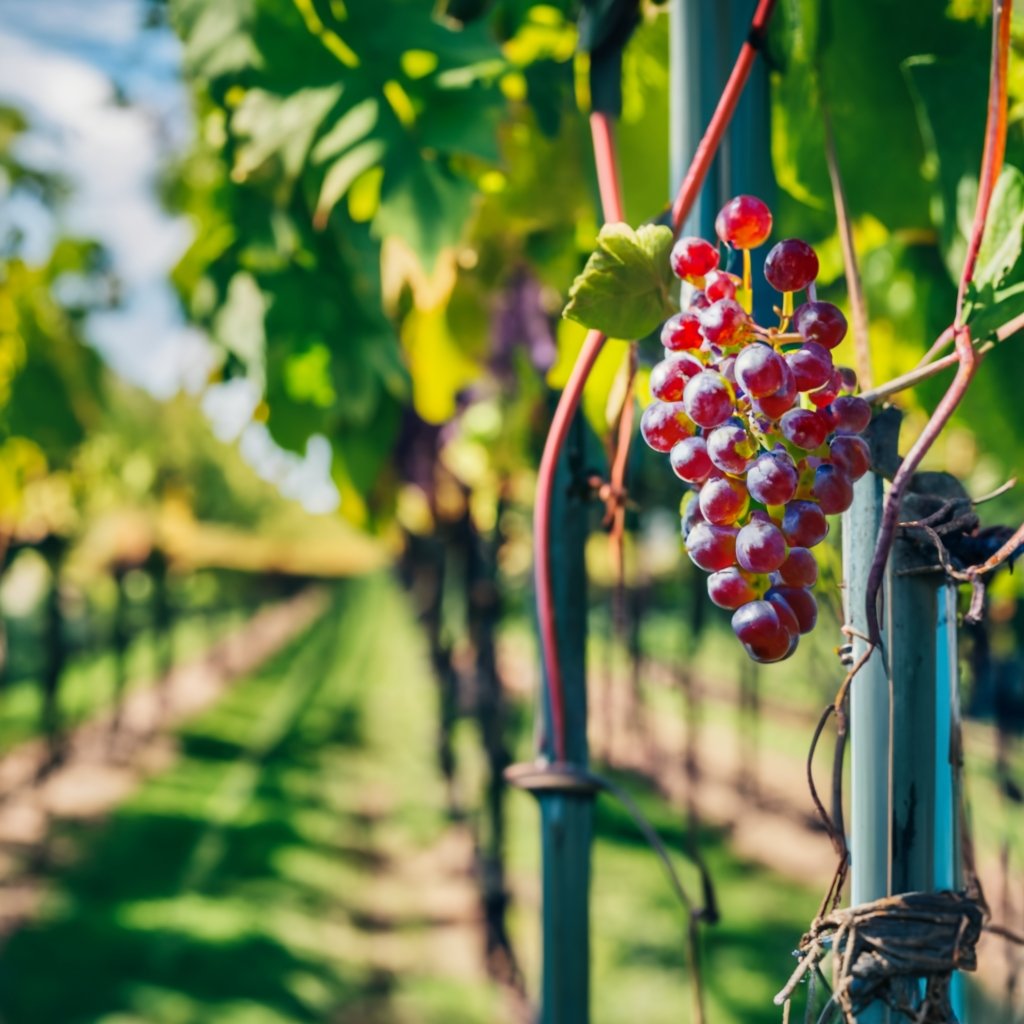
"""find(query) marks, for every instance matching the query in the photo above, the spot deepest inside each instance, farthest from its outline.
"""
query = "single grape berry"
(811, 365)
(731, 448)
(708, 399)
(832, 490)
(690, 462)
(730, 588)
(851, 414)
(724, 322)
(760, 370)
(772, 479)
(803, 428)
(724, 500)
(744, 222)
(791, 265)
(721, 285)
(802, 602)
(851, 454)
(848, 377)
(826, 394)
(693, 257)
(665, 424)
(800, 569)
(782, 400)
(760, 547)
(820, 322)
(711, 547)
(681, 332)
(804, 524)
(669, 377)
(759, 629)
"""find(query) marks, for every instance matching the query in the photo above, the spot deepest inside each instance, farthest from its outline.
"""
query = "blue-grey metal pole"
(870, 710)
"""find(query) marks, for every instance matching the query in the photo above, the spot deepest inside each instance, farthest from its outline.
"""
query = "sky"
(107, 111)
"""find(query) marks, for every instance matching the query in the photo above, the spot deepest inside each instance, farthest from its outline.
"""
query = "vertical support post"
(567, 816)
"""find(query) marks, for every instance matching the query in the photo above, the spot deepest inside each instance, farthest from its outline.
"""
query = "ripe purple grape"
(804, 429)
(689, 460)
(708, 399)
(760, 547)
(731, 448)
(802, 603)
(760, 370)
(724, 500)
(711, 547)
(760, 630)
(820, 322)
(730, 588)
(785, 613)
(724, 322)
(772, 479)
(744, 222)
(791, 265)
(782, 400)
(804, 524)
(800, 569)
(851, 414)
(664, 424)
(811, 365)
(832, 489)
(851, 454)
(681, 332)
(693, 257)
(669, 377)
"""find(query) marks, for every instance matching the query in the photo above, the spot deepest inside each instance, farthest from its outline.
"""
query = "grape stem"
(966, 355)
(924, 371)
(854, 287)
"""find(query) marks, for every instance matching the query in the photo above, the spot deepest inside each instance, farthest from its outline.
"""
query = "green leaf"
(1004, 233)
(342, 173)
(624, 289)
(355, 124)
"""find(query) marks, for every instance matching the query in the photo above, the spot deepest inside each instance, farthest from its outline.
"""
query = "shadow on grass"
(231, 889)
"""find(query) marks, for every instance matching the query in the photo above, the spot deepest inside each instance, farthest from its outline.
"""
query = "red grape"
(820, 322)
(689, 460)
(724, 322)
(804, 524)
(744, 222)
(729, 588)
(665, 424)
(803, 428)
(851, 413)
(785, 613)
(699, 301)
(669, 377)
(772, 479)
(693, 257)
(711, 547)
(811, 365)
(848, 378)
(760, 370)
(800, 569)
(778, 402)
(851, 454)
(682, 331)
(730, 448)
(826, 394)
(832, 490)
(708, 399)
(760, 630)
(721, 285)
(791, 265)
(760, 547)
(802, 602)
(723, 500)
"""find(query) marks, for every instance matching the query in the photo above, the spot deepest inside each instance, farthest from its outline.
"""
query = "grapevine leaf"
(625, 288)
(1004, 232)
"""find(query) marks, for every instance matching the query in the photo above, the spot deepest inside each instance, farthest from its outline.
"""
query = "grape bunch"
(760, 424)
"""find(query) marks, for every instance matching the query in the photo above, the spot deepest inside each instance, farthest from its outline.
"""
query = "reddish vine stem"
(607, 173)
(991, 164)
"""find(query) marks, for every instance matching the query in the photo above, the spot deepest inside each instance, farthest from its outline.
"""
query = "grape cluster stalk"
(762, 426)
